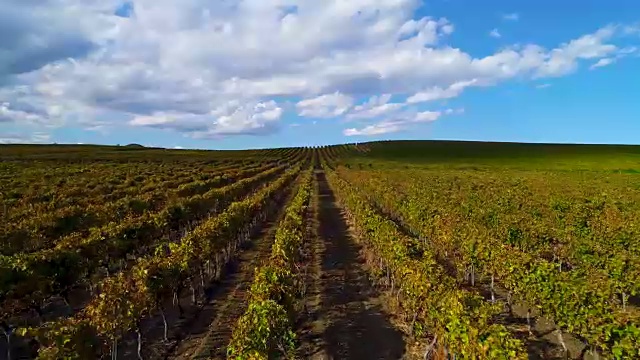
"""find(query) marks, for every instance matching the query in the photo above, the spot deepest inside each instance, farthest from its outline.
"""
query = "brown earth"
(346, 319)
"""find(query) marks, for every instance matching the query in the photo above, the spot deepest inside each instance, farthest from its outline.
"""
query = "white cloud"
(173, 121)
(400, 122)
(495, 34)
(23, 138)
(36, 33)
(325, 106)
(619, 54)
(633, 29)
(261, 118)
(592, 45)
(427, 116)
(564, 59)
(7, 114)
(454, 111)
(377, 129)
(211, 68)
(438, 93)
(543, 86)
(602, 62)
(257, 119)
(511, 16)
(376, 106)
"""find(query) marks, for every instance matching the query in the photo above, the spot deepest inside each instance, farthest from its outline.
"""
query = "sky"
(234, 74)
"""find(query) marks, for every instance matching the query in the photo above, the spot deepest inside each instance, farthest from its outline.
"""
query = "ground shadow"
(356, 328)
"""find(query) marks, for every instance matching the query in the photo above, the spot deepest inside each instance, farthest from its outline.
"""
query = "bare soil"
(346, 319)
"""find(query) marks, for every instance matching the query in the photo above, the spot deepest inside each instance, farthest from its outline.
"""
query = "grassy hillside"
(621, 158)
(121, 153)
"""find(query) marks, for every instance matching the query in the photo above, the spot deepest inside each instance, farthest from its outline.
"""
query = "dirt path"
(309, 330)
(348, 322)
(207, 336)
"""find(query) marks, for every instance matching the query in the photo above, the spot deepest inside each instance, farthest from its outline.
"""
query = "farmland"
(384, 250)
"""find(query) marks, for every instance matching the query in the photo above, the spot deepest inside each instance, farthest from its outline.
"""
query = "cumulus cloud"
(325, 106)
(495, 34)
(454, 111)
(564, 59)
(35, 33)
(211, 68)
(438, 93)
(19, 114)
(400, 122)
(428, 116)
(24, 138)
(376, 129)
(619, 54)
(633, 29)
(511, 16)
(628, 51)
(602, 63)
(376, 106)
(256, 119)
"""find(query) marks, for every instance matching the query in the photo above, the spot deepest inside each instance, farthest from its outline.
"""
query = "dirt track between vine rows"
(346, 319)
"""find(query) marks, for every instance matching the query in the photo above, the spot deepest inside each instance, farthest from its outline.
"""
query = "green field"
(448, 154)
(395, 249)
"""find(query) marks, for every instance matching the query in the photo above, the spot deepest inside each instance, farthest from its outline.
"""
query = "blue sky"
(271, 73)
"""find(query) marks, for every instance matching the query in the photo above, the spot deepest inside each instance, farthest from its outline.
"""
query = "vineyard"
(384, 250)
